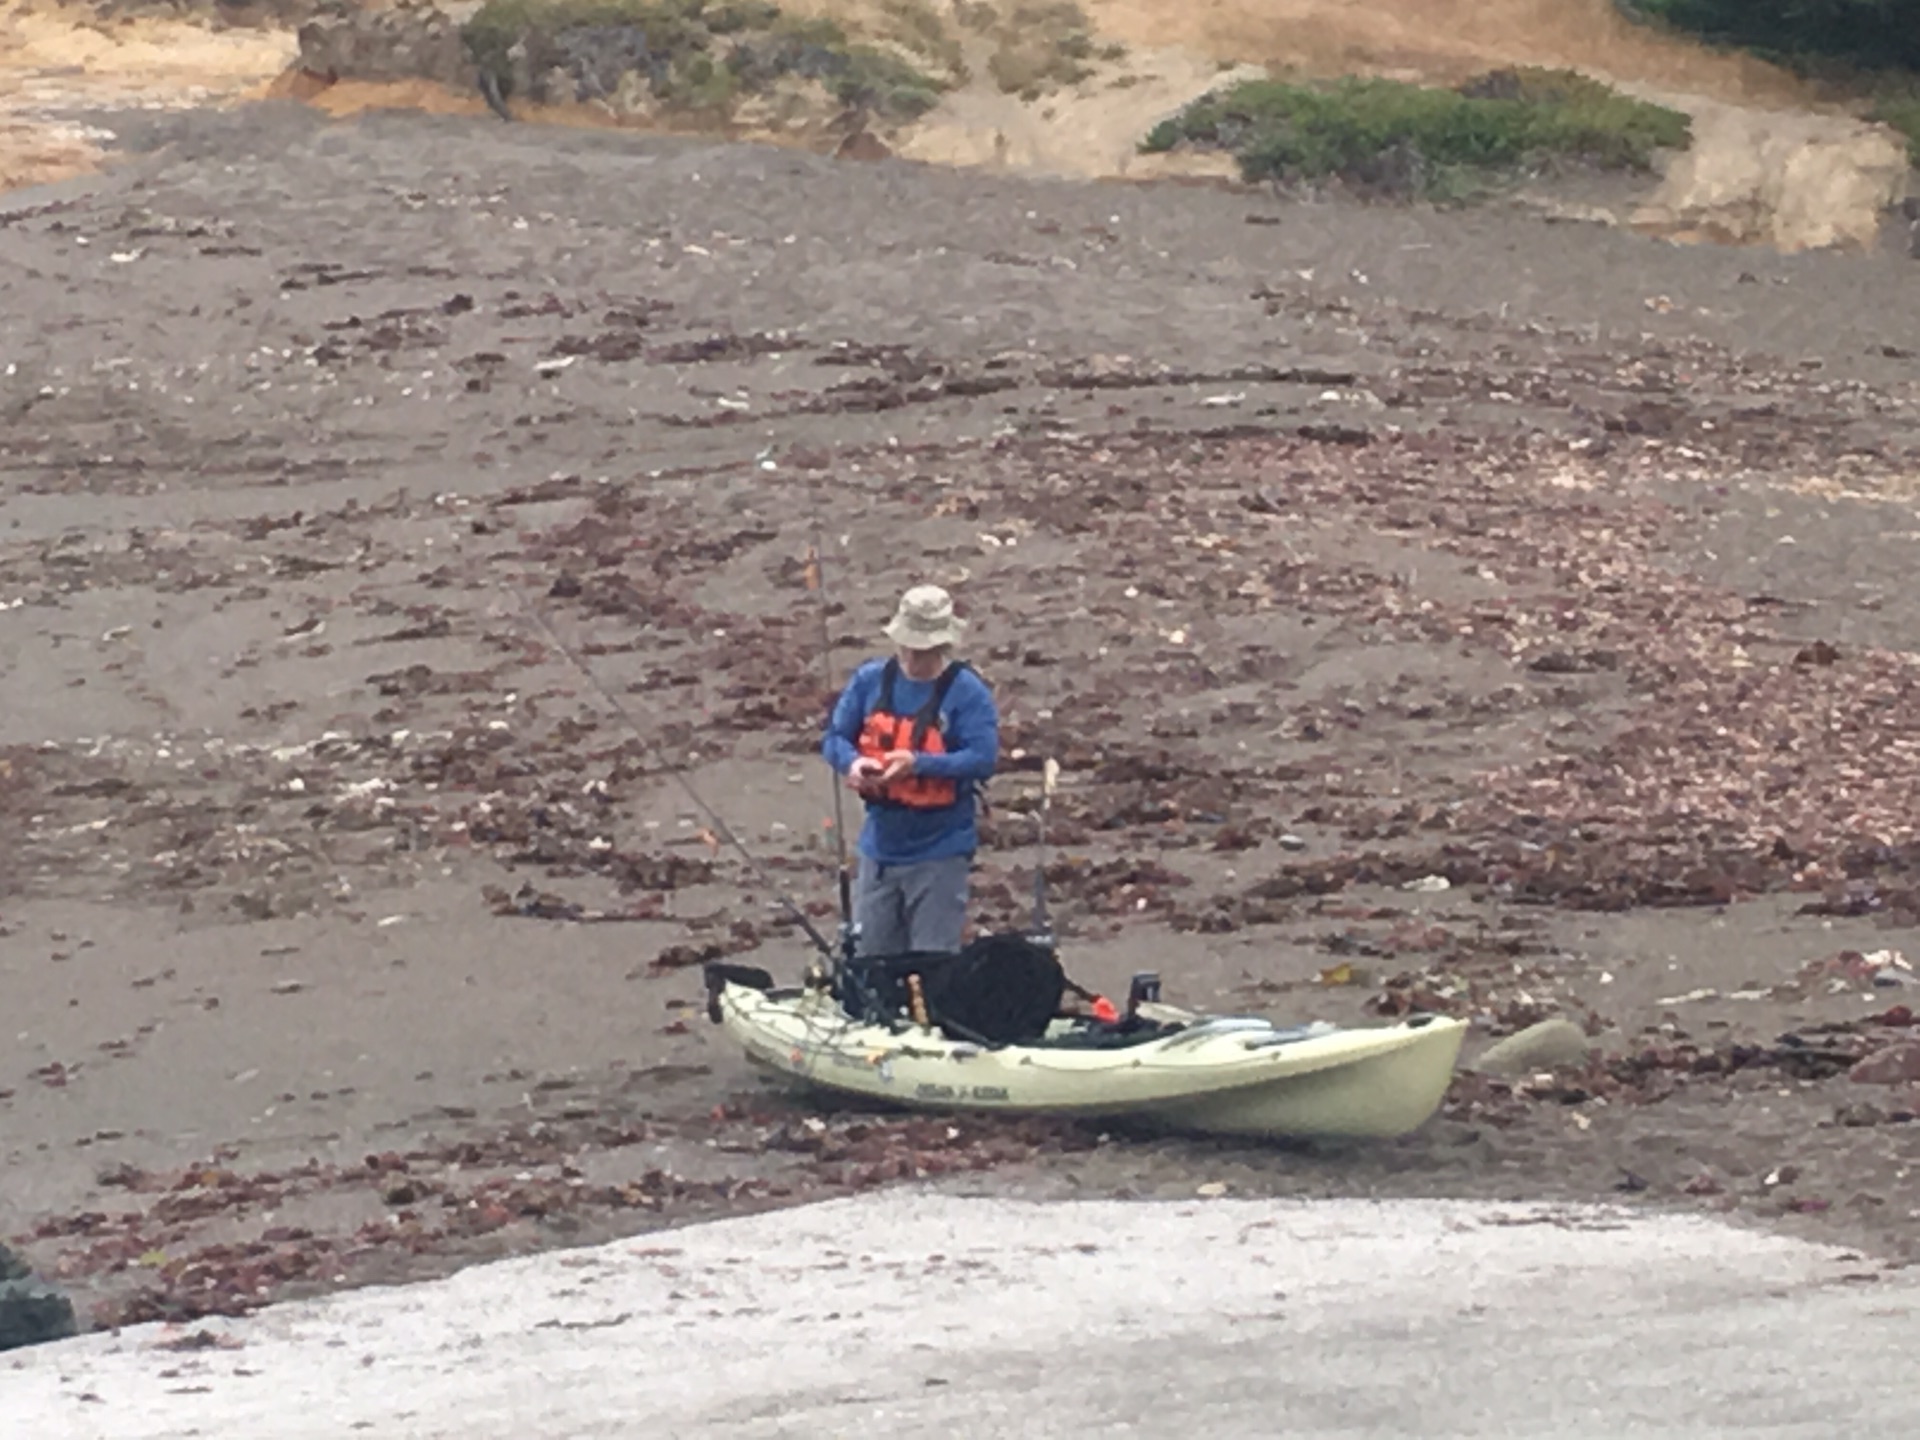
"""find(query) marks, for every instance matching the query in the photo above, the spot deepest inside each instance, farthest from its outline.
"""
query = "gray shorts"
(911, 907)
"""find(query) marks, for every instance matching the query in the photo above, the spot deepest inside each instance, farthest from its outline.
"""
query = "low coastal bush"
(697, 54)
(1384, 133)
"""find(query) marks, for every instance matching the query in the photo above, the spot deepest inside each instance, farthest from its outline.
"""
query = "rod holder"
(1145, 990)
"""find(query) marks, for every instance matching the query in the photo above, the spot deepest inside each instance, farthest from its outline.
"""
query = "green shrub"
(732, 16)
(706, 54)
(672, 28)
(1412, 136)
(876, 78)
(694, 82)
(810, 30)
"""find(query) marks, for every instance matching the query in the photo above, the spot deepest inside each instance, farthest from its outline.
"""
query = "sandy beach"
(1559, 563)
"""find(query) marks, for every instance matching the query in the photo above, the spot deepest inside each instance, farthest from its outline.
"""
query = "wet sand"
(1422, 537)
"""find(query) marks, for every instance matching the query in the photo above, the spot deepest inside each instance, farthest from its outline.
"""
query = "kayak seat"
(998, 989)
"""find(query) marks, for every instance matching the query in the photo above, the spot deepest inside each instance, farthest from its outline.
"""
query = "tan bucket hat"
(925, 620)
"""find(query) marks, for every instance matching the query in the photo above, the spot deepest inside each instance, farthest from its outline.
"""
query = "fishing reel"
(824, 976)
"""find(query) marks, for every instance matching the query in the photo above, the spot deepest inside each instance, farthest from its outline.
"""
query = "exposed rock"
(1545, 1046)
(30, 1313)
(412, 40)
(1778, 178)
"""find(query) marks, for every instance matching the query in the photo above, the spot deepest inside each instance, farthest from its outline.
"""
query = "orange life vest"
(885, 732)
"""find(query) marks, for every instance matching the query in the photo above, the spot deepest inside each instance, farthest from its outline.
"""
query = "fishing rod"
(1146, 984)
(1042, 923)
(816, 581)
(720, 826)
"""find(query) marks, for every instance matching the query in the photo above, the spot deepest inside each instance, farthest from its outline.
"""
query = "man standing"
(914, 734)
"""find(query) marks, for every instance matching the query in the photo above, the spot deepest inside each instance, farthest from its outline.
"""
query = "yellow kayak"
(1211, 1074)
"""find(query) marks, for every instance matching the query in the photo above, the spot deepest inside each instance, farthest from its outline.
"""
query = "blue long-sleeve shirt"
(970, 729)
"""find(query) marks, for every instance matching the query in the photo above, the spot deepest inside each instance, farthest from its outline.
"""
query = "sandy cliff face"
(1789, 179)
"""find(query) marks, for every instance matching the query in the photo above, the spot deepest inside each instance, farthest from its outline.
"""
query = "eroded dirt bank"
(347, 934)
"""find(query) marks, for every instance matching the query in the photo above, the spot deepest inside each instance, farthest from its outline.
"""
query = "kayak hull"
(1217, 1075)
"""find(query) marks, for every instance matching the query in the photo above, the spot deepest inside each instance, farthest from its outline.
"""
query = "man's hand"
(864, 774)
(899, 764)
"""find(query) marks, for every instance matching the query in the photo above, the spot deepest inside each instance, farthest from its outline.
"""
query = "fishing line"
(720, 826)
(816, 581)
(1042, 922)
